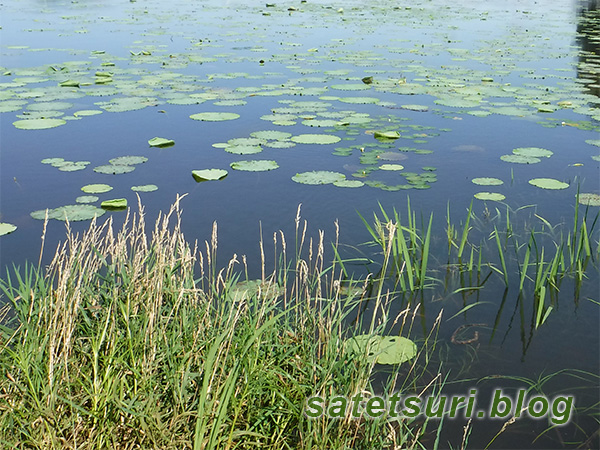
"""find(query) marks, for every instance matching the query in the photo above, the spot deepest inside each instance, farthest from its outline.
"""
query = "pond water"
(507, 90)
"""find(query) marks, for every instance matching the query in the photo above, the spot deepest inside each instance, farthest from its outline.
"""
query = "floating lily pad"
(161, 142)
(243, 149)
(493, 196)
(38, 124)
(73, 166)
(548, 183)
(96, 188)
(589, 199)
(128, 160)
(386, 135)
(535, 152)
(419, 108)
(6, 228)
(87, 199)
(261, 165)
(383, 349)
(487, 181)
(391, 167)
(348, 183)
(53, 161)
(271, 135)
(520, 159)
(114, 169)
(315, 139)
(209, 174)
(318, 177)
(73, 213)
(114, 204)
(145, 188)
(214, 116)
(87, 112)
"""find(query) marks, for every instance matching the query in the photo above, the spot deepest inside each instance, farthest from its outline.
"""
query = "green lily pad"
(87, 112)
(145, 188)
(261, 165)
(271, 135)
(6, 228)
(161, 142)
(318, 177)
(348, 183)
(128, 160)
(114, 204)
(114, 169)
(53, 161)
(73, 213)
(315, 139)
(391, 167)
(96, 188)
(493, 196)
(38, 124)
(383, 349)
(209, 174)
(589, 199)
(487, 181)
(520, 159)
(386, 135)
(214, 116)
(419, 108)
(243, 149)
(548, 183)
(536, 152)
(72, 166)
(87, 199)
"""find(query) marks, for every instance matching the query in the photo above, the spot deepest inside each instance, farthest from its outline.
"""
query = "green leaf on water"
(589, 199)
(520, 159)
(209, 174)
(487, 181)
(385, 135)
(145, 188)
(391, 167)
(73, 213)
(214, 116)
(6, 228)
(318, 177)
(348, 183)
(382, 349)
(96, 188)
(493, 196)
(161, 142)
(548, 183)
(128, 160)
(114, 169)
(261, 165)
(38, 124)
(315, 139)
(114, 204)
(535, 152)
(87, 112)
(87, 199)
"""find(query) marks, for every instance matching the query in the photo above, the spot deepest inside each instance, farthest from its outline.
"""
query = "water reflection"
(588, 37)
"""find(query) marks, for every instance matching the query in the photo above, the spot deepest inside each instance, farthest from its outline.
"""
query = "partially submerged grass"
(117, 344)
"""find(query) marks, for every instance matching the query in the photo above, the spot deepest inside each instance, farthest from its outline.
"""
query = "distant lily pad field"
(345, 108)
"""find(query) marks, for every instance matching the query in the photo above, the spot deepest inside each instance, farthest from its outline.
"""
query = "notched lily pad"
(520, 159)
(161, 142)
(73, 213)
(260, 165)
(38, 124)
(548, 183)
(145, 188)
(6, 228)
(493, 196)
(209, 174)
(382, 349)
(96, 188)
(128, 160)
(535, 152)
(589, 199)
(391, 167)
(318, 177)
(114, 169)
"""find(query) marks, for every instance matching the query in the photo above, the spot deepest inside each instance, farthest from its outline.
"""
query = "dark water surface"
(484, 72)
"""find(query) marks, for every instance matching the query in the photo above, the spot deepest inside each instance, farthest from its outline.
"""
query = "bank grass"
(135, 338)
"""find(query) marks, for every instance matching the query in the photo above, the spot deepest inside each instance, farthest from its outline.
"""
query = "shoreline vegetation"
(135, 338)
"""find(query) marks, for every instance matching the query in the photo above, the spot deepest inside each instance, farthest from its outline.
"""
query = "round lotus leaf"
(348, 183)
(536, 152)
(87, 199)
(385, 135)
(96, 188)
(271, 135)
(53, 161)
(87, 112)
(243, 149)
(318, 177)
(70, 166)
(114, 169)
(209, 174)
(38, 124)
(493, 196)
(246, 141)
(487, 181)
(315, 139)
(589, 199)
(128, 160)
(391, 167)
(280, 144)
(161, 142)
(419, 108)
(214, 116)
(73, 213)
(548, 183)
(114, 204)
(261, 165)
(6, 228)
(320, 122)
(145, 188)
(382, 349)
(520, 159)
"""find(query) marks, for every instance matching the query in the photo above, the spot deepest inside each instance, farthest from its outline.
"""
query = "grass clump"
(118, 344)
